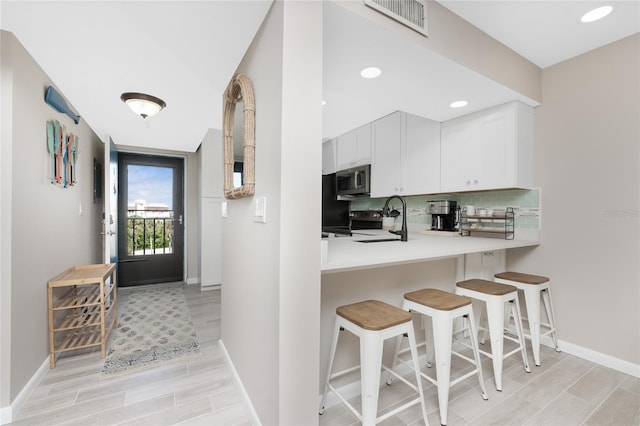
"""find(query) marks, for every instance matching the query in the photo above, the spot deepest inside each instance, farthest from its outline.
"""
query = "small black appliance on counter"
(444, 215)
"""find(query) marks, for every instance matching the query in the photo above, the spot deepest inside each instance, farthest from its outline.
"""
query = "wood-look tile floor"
(565, 390)
(195, 391)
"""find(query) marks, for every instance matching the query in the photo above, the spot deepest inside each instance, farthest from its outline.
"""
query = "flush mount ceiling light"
(142, 104)
(597, 13)
(458, 104)
(371, 72)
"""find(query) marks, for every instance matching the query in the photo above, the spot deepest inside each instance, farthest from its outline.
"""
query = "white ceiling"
(549, 31)
(185, 53)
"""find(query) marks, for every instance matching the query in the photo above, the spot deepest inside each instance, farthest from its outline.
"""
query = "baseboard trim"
(195, 280)
(605, 360)
(244, 396)
(352, 389)
(210, 287)
(6, 413)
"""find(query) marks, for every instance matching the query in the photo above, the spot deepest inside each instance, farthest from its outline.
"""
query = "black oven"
(366, 219)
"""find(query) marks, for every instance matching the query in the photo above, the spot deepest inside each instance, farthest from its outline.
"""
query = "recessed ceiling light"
(458, 104)
(371, 72)
(597, 13)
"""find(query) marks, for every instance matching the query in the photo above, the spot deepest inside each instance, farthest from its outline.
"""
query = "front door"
(150, 229)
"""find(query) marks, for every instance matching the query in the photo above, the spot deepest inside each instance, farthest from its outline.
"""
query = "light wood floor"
(195, 391)
(565, 390)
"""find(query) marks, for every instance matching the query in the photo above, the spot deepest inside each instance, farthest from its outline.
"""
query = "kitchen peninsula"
(353, 253)
(353, 271)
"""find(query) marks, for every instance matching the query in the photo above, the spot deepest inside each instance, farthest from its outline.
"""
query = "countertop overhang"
(342, 254)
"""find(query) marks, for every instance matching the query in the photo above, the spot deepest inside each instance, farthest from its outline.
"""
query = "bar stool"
(534, 287)
(495, 296)
(443, 307)
(373, 322)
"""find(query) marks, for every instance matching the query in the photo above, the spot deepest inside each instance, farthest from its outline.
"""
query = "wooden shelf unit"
(87, 312)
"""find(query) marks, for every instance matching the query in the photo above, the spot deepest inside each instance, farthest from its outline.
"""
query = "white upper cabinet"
(405, 157)
(329, 156)
(354, 148)
(490, 149)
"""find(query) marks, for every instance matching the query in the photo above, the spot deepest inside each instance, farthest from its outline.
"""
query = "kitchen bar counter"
(341, 254)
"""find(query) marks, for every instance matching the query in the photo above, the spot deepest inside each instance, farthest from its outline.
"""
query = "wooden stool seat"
(522, 278)
(487, 287)
(373, 315)
(438, 299)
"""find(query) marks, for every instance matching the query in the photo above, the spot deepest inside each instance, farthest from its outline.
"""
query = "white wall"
(211, 197)
(271, 271)
(586, 161)
(42, 230)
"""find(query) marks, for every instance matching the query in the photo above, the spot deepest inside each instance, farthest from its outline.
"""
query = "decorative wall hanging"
(55, 99)
(63, 151)
(239, 91)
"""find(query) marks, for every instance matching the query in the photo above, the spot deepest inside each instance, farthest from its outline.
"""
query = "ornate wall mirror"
(238, 129)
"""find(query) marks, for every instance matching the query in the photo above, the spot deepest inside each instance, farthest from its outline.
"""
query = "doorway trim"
(185, 204)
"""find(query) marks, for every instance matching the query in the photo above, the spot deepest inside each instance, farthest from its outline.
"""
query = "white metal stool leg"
(495, 318)
(370, 362)
(517, 315)
(332, 353)
(551, 316)
(532, 302)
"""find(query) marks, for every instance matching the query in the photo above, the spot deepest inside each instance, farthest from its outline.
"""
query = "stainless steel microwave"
(354, 181)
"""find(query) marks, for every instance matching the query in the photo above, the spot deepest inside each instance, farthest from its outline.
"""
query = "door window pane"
(149, 210)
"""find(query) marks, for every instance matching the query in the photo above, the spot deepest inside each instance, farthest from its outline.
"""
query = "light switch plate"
(225, 210)
(260, 215)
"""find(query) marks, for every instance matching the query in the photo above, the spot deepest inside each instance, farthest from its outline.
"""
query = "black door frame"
(156, 268)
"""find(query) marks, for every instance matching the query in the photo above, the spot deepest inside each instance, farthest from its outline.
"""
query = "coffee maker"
(444, 215)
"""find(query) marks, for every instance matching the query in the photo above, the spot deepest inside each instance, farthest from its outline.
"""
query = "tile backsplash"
(526, 204)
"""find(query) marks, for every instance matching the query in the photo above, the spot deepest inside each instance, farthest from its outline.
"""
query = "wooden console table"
(88, 309)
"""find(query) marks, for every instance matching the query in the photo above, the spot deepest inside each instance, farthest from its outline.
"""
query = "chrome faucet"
(403, 231)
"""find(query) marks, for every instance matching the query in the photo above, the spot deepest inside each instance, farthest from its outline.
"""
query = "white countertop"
(341, 254)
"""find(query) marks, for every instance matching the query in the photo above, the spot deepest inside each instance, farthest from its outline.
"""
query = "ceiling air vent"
(412, 13)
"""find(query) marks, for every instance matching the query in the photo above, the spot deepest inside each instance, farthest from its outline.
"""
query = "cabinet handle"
(475, 181)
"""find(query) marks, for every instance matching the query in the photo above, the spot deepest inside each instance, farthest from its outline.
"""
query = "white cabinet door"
(405, 156)
(490, 149)
(458, 154)
(354, 148)
(363, 145)
(386, 172)
(329, 157)
(346, 150)
(421, 156)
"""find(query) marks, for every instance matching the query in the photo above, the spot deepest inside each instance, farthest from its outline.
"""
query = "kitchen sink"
(378, 240)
